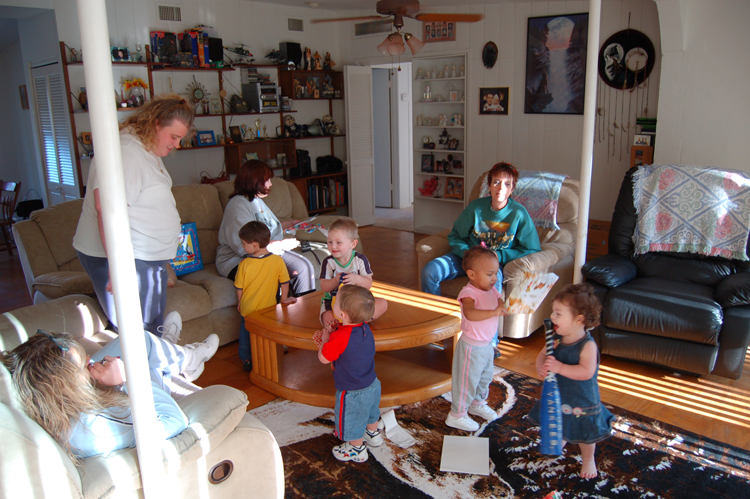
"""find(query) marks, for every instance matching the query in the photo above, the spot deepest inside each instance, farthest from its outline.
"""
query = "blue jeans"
(449, 267)
(244, 349)
(445, 268)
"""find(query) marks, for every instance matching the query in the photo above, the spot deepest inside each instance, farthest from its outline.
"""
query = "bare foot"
(588, 469)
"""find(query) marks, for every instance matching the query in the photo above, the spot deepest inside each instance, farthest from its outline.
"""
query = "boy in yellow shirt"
(258, 279)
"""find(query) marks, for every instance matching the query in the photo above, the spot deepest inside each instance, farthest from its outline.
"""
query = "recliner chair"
(683, 311)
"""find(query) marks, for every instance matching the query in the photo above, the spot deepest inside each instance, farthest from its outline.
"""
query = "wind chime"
(626, 60)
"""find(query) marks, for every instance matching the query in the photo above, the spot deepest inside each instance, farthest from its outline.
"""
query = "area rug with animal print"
(642, 458)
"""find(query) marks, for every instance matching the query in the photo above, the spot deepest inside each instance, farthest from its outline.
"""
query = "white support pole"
(587, 150)
(92, 18)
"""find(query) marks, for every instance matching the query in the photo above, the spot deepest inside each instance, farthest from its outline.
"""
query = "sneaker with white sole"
(172, 327)
(195, 356)
(347, 452)
(463, 423)
(373, 438)
(483, 411)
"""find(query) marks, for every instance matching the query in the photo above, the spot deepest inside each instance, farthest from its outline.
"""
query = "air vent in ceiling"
(169, 13)
(372, 27)
(295, 24)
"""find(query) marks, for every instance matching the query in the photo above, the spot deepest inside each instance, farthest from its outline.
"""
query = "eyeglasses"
(45, 333)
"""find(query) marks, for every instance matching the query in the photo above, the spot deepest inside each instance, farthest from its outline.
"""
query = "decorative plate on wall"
(626, 59)
(489, 54)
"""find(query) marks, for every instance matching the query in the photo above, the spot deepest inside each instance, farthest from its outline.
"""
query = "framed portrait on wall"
(439, 31)
(494, 100)
(556, 64)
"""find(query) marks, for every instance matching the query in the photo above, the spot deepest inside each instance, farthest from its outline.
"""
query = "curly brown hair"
(54, 386)
(581, 299)
(161, 111)
(473, 254)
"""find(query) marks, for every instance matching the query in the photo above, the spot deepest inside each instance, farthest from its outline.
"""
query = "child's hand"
(351, 279)
(551, 364)
(288, 300)
(501, 310)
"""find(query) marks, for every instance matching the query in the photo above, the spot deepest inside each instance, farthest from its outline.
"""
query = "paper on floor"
(394, 432)
(466, 455)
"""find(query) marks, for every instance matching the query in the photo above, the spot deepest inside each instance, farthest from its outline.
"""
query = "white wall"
(704, 96)
(532, 142)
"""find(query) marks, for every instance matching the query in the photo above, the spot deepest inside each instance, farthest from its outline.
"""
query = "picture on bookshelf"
(281, 160)
(642, 140)
(312, 87)
(428, 163)
(206, 138)
(120, 54)
(235, 133)
(457, 165)
(215, 104)
(455, 188)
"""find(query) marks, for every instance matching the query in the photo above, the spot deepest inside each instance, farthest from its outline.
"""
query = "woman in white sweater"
(145, 137)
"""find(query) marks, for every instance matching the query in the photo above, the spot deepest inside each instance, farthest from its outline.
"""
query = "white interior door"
(360, 143)
(381, 120)
(54, 133)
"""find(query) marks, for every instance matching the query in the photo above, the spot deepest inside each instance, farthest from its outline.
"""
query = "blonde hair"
(346, 225)
(54, 387)
(357, 302)
(162, 111)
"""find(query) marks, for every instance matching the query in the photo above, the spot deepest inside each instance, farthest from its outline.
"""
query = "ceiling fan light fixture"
(414, 43)
(383, 47)
(396, 46)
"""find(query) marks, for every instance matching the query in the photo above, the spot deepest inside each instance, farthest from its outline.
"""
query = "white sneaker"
(195, 356)
(172, 327)
(483, 411)
(464, 423)
(373, 438)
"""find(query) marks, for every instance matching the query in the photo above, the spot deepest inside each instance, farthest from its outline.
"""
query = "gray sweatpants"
(472, 374)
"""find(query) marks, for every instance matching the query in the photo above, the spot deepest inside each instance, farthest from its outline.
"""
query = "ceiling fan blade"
(455, 18)
(337, 19)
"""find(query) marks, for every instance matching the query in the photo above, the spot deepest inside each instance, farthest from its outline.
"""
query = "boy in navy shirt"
(351, 350)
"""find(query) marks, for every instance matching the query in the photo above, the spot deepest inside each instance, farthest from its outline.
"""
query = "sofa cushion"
(708, 271)
(59, 284)
(189, 300)
(213, 413)
(610, 270)
(279, 199)
(59, 223)
(200, 203)
(659, 307)
(734, 291)
(221, 291)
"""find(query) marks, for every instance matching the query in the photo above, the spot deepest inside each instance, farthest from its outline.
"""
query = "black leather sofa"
(686, 312)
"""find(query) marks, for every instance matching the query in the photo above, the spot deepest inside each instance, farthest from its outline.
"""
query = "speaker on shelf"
(291, 52)
(215, 49)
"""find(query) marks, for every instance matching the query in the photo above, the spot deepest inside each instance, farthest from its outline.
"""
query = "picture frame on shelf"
(453, 144)
(120, 54)
(206, 138)
(454, 188)
(428, 163)
(458, 165)
(281, 160)
(86, 138)
(494, 100)
(641, 140)
(454, 96)
(438, 31)
(438, 166)
(235, 133)
(251, 156)
(214, 105)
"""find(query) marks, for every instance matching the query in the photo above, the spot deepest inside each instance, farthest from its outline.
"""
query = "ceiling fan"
(398, 10)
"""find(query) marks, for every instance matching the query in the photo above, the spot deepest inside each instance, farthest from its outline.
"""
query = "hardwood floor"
(714, 407)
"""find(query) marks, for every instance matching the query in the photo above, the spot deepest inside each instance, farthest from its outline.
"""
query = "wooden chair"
(8, 197)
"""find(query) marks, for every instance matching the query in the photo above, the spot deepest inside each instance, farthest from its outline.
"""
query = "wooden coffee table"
(413, 340)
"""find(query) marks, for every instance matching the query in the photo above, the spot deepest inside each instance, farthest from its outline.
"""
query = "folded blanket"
(692, 209)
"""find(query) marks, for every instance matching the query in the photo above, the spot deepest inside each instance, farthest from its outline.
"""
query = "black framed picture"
(235, 133)
(120, 54)
(494, 100)
(428, 163)
(556, 64)
(206, 138)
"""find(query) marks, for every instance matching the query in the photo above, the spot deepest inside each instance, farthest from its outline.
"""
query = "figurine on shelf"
(442, 120)
(430, 186)
(456, 120)
(307, 60)
(427, 97)
(419, 74)
(316, 58)
(447, 71)
(453, 71)
(420, 120)
(83, 99)
(462, 71)
(299, 92)
(290, 127)
(328, 63)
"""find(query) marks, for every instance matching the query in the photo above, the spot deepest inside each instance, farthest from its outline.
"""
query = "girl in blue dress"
(586, 421)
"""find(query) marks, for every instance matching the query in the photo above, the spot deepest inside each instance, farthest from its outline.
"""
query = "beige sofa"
(556, 256)
(33, 465)
(206, 301)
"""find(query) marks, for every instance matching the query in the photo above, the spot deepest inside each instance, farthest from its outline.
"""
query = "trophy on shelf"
(257, 129)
